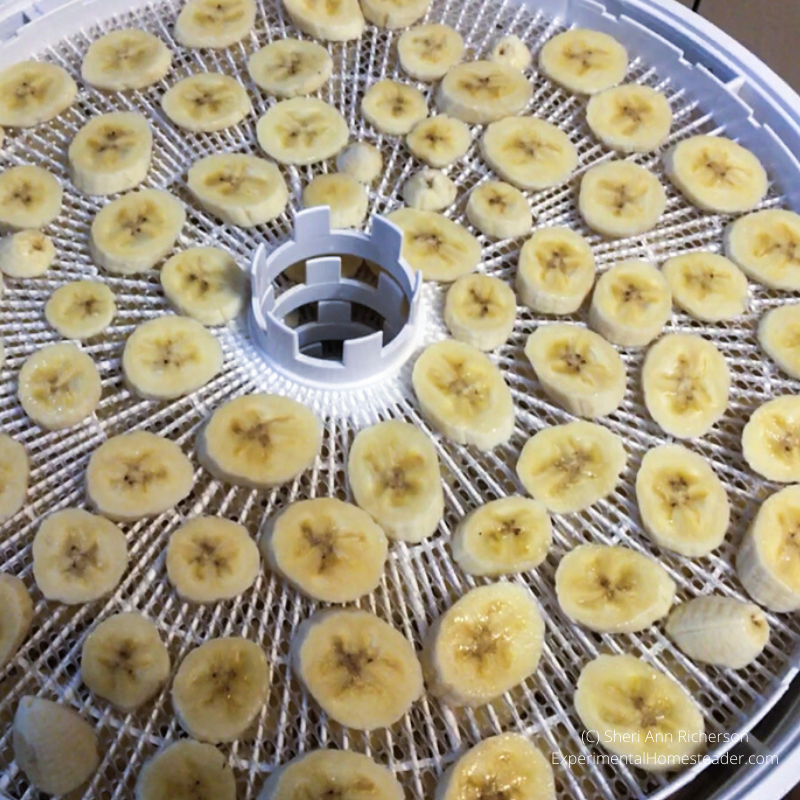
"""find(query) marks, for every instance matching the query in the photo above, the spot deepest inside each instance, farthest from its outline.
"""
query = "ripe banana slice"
(393, 473)
(584, 61)
(206, 102)
(59, 386)
(219, 689)
(578, 369)
(483, 91)
(238, 188)
(779, 337)
(630, 118)
(717, 174)
(360, 160)
(330, 550)
(529, 152)
(442, 250)
(26, 254)
(481, 311)
(345, 196)
(34, 91)
(771, 440)
(569, 467)
(111, 153)
(137, 475)
(124, 660)
(620, 198)
(706, 286)
(463, 394)
(638, 712)
(290, 67)
(440, 140)
(14, 475)
(53, 746)
(429, 190)
(211, 559)
(134, 232)
(78, 557)
(80, 309)
(259, 440)
(686, 382)
(498, 210)
(126, 59)
(426, 52)
(719, 630)
(394, 14)
(512, 52)
(362, 672)
(215, 23)
(329, 20)
(393, 107)
(16, 615)
(30, 197)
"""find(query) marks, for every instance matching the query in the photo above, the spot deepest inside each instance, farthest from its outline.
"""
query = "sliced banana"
(483, 91)
(134, 232)
(499, 211)
(440, 140)
(30, 197)
(394, 14)
(26, 254)
(779, 337)
(129, 58)
(78, 557)
(481, 311)
(529, 152)
(512, 52)
(686, 381)
(238, 188)
(206, 102)
(80, 309)
(32, 92)
(290, 67)
(16, 615)
(620, 198)
(259, 440)
(111, 153)
(771, 439)
(584, 61)
(578, 369)
(717, 174)
(393, 107)
(638, 712)
(330, 550)
(219, 689)
(569, 467)
(363, 672)
(429, 190)
(345, 196)
(136, 475)
(14, 475)
(682, 502)
(329, 20)
(215, 23)
(426, 52)
(630, 118)
(360, 160)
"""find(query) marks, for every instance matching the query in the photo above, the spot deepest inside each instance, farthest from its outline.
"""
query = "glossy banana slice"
(206, 102)
(499, 211)
(429, 190)
(394, 14)
(771, 440)
(290, 67)
(584, 61)
(630, 118)
(394, 108)
(440, 140)
(14, 475)
(30, 197)
(16, 614)
(80, 309)
(481, 311)
(426, 52)
(26, 254)
(512, 52)
(32, 92)
(126, 59)
(779, 337)
(345, 196)
(215, 23)
(360, 160)
(329, 20)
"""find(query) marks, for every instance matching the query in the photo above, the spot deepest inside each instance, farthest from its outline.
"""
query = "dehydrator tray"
(420, 581)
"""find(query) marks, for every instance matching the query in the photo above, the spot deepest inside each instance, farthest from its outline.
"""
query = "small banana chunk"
(394, 14)
(125, 59)
(499, 211)
(259, 440)
(578, 369)
(360, 160)
(80, 309)
(512, 52)
(779, 337)
(429, 190)
(771, 440)
(124, 660)
(290, 67)
(30, 197)
(426, 52)
(14, 476)
(206, 102)
(53, 745)
(219, 689)
(686, 383)
(569, 467)
(32, 92)
(345, 196)
(483, 91)
(26, 254)
(78, 557)
(440, 140)
(329, 20)
(330, 550)
(717, 174)
(16, 615)
(394, 108)
(136, 475)
(584, 61)
(719, 630)
(481, 311)
(630, 118)
(215, 23)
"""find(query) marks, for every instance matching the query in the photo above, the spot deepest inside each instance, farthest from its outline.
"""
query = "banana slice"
(393, 107)
(124, 660)
(362, 672)
(16, 615)
(779, 337)
(134, 232)
(719, 630)
(686, 383)
(345, 196)
(80, 309)
(26, 254)
(184, 770)
(30, 197)
(238, 188)
(511, 51)
(360, 160)
(206, 102)
(483, 645)
(584, 61)
(440, 140)
(577, 369)
(329, 20)
(429, 190)
(290, 67)
(717, 174)
(638, 712)
(463, 394)
(630, 118)
(766, 245)
(32, 92)
(394, 14)
(483, 91)
(126, 59)
(682, 502)
(137, 475)
(219, 689)
(771, 440)
(498, 210)
(259, 440)
(442, 250)
(330, 550)
(78, 557)
(706, 286)
(111, 153)
(215, 23)
(59, 386)
(569, 467)
(393, 473)
(53, 746)
(480, 311)
(620, 198)
(14, 475)
(302, 130)
(426, 52)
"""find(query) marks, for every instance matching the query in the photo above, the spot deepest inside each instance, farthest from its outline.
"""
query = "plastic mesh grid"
(420, 582)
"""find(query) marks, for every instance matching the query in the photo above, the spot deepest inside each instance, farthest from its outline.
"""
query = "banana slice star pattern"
(290, 67)
(429, 190)
(394, 108)
(80, 309)
(26, 254)
(345, 196)
(394, 14)
(215, 23)
(360, 160)
(771, 440)
(206, 102)
(33, 92)
(512, 52)
(440, 140)
(126, 59)
(426, 52)
(329, 20)
(779, 337)
(499, 211)
(630, 118)
(16, 615)
(480, 311)
(14, 476)
(584, 61)
(30, 197)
